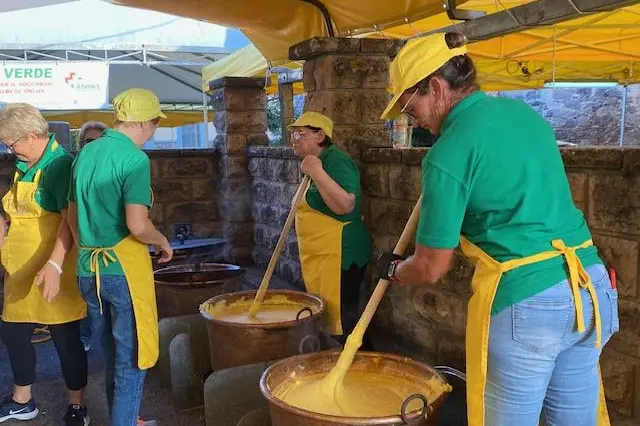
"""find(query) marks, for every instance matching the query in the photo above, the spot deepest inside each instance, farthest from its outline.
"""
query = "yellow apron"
(135, 259)
(32, 235)
(485, 282)
(320, 246)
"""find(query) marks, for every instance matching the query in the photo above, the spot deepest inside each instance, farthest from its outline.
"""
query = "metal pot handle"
(423, 413)
(442, 369)
(314, 339)
(304, 310)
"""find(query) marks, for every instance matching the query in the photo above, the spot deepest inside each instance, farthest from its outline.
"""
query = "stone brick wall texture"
(275, 177)
(184, 187)
(588, 116)
(428, 323)
(185, 191)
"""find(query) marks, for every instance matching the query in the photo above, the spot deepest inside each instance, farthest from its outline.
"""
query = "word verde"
(28, 73)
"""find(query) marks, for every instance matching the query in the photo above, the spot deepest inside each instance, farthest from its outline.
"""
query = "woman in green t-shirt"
(334, 245)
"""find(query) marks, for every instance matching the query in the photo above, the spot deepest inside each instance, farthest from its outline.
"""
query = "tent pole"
(205, 118)
(623, 117)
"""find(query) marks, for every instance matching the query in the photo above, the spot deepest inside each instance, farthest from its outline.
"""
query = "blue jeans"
(116, 329)
(540, 366)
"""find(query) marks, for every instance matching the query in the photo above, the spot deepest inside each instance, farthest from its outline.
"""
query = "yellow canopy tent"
(597, 47)
(77, 118)
(275, 25)
(600, 46)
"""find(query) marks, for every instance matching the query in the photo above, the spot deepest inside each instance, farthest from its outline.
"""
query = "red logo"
(71, 74)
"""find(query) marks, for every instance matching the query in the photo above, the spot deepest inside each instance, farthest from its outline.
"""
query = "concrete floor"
(50, 393)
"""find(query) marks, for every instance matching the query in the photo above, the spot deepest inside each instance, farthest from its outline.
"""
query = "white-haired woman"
(38, 257)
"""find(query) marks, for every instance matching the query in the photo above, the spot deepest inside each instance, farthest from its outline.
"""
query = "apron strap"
(99, 255)
(38, 175)
(579, 278)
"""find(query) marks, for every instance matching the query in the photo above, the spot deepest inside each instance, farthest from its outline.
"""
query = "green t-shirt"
(496, 176)
(55, 164)
(356, 241)
(108, 174)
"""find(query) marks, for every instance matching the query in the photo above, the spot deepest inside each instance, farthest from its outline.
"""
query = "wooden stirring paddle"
(284, 236)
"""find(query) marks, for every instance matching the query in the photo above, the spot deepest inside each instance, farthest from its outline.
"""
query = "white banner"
(56, 86)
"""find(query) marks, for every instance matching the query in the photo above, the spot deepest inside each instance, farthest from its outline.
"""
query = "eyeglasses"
(88, 140)
(297, 135)
(11, 145)
(406, 106)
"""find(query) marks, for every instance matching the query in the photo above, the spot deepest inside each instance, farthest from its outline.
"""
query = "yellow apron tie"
(486, 278)
(579, 278)
(97, 255)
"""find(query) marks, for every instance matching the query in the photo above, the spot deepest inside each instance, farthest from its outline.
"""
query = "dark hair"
(459, 71)
(327, 140)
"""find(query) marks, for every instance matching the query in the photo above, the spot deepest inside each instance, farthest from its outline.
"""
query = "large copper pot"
(234, 344)
(180, 289)
(283, 414)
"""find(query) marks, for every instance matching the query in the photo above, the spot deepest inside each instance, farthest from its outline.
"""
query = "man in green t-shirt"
(109, 200)
(334, 245)
(543, 305)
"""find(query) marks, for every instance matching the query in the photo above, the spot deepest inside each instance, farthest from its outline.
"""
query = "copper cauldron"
(180, 289)
(283, 414)
(234, 344)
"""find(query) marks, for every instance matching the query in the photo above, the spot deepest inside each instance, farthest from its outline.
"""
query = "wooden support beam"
(538, 13)
(285, 95)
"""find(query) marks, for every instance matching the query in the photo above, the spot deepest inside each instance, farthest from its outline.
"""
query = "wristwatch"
(393, 267)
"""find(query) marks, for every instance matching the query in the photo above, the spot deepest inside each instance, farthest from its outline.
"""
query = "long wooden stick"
(284, 236)
(354, 341)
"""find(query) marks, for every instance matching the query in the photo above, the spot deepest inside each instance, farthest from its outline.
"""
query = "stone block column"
(347, 80)
(239, 105)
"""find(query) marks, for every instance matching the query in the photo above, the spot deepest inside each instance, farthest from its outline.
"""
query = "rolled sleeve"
(443, 208)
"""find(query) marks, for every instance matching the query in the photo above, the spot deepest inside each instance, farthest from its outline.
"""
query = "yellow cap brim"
(162, 114)
(393, 109)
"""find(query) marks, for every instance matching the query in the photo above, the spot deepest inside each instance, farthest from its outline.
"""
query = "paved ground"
(50, 393)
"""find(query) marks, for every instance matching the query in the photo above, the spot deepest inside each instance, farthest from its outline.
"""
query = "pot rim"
(240, 271)
(355, 421)
(282, 324)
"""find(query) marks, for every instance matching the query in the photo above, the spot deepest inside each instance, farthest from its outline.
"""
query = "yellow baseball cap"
(418, 59)
(314, 119)
(137, 105)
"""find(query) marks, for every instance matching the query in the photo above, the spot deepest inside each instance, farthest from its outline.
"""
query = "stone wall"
(275, 177)
(588, 116)
(184, 187)
(428, 323)
(185, 191)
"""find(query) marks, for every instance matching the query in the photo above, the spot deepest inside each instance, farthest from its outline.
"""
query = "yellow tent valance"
(246, 62)
(77, 118)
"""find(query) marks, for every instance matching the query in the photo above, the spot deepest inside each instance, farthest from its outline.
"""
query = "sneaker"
(146, 423)
(9, 409)
(87, 347)
(76, 416)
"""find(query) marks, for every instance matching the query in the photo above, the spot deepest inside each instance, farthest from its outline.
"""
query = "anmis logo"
(80, 84)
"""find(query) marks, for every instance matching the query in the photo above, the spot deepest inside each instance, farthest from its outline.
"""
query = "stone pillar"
(347, 79)
(239, 105)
